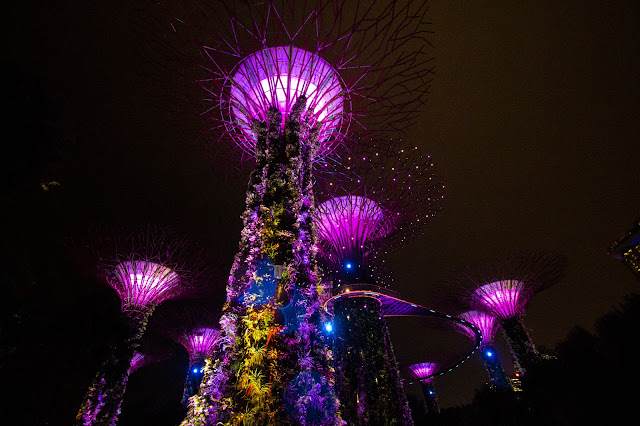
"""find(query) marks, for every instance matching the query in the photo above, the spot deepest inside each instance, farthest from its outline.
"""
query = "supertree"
(287, 82)
(503, 286)
(192, 324)
(144, 268)
(424, 372)
(200, 344)
(383, 196)
(374, 198)
(488, 325)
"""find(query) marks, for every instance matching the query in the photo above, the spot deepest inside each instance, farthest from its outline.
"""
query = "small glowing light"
(195, 370)
(430, 392)
(348, 266)
(329, 327)
(489, 354)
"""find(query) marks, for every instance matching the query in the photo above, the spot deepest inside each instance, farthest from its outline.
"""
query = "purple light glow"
(501, 298)
(485, 322)
(348, 223)
(139, 360)
(201, 342)
(277, 76)
(424, 369)
(143, 284)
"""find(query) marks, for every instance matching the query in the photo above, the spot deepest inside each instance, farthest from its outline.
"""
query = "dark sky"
(533, 121)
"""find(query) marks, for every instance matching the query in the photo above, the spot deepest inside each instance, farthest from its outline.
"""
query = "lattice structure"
(503, 286)
(487, 324)
(424, 370)
(138, 361)
(200, 342)
(142, 284)
(145, 268)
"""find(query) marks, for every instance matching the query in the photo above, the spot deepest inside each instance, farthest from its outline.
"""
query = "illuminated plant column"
(287, 82)
(502, 287)
(424, 373)
(145, 269)
(488, 326)
(263, 372)
(200, 345)
(382, 198)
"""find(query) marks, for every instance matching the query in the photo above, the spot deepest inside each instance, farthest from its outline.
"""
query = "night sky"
(533, 121)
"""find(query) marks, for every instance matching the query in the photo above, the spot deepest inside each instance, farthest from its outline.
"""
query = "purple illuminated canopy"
(347, 223)
(201, 342)
(139, 360)
(423, 370)
(278, 76)
(502, 298)
(143, 284)
(485, 322)
(364, 69)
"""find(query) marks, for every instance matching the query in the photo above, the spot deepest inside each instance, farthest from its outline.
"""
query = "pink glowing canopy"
(423, 370)
(143, 284)
(485, 322)
(201, 342)
(278, 76)
(138, 360)
(501, 298)
(347, 223)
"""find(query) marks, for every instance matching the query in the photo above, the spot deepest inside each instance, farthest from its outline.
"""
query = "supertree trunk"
(431, 399)
(101, 405)
(367, 378)
(523, 349)
(494, 368)
(193, 380)
(246, 380)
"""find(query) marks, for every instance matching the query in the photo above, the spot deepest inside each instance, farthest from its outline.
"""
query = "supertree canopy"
(363, 67)
(345, 224)
(503, 286)
(145, 268)
(143, 284)
(488, 325)
(192, 324)
(138, 361)
(376, 197)
(424, 372)
(278, 76)
(287, 81)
